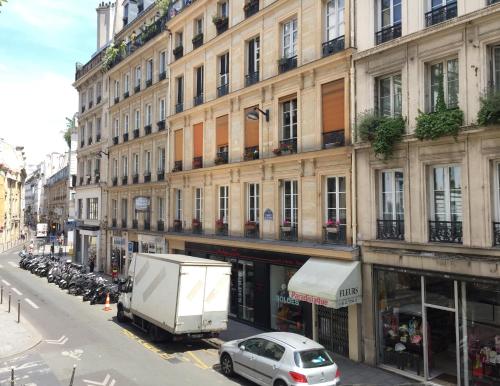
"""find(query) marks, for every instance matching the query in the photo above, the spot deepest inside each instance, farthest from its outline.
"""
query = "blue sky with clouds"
(41, 41)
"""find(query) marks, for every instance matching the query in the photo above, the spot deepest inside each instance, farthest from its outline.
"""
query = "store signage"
(268, 214)
(142, 204)
(309, 298)
(287, 300)
(343, 298)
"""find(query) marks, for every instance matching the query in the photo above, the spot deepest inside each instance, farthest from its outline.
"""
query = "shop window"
(242, 297)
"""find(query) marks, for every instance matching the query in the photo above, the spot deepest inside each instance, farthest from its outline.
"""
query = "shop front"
(438, 327)
(119, 248)
(151, 244)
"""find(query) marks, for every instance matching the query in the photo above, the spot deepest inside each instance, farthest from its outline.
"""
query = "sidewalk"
(353, 373)
(15, 337)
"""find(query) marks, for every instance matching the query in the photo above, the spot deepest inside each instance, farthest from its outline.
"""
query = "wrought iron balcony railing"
(445, 231)
(222, 90)
(137, 88)
(147, 225)
(82, 143)
(197, 41)
(197, 227)
(117, 99)
(135, 224)
(160, 176)
(124, 223)
(490, 2)
(252, 230)
(441, 14)
(388, 33)
(251, 153)
(390, 229)
(333, 46)
(124, 180)
(89, 141)
(126, 94)
(288, 233)
(251, 8)
(198, 99)
(335, 234)
(221, 24)
(288, 146)
(113, 223)
(147, 176)
(135, 178)
(98, 100)
(161, 125)
(178, 52)
(115, 140)
(287, 64)
(251, 78)
(136, 133)
(177, 226)
(221, 229)
(160, 226)
(179, 107)
(115, 181)
(91, 103)
(177, 166)
(125, 137)
(496, 232)
(149, 82)
(221, 158)
(162, 76)
(147, 129)
(333, 139)
(197, 162)
(98, 138)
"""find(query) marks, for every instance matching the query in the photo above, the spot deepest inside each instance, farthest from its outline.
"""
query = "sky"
(41, 42)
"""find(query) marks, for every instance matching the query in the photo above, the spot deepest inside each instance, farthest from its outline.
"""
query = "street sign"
(268, 214)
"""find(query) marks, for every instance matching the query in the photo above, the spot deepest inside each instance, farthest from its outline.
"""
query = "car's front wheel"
(226, 365)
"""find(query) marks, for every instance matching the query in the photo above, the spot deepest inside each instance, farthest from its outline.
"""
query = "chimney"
(104, 23)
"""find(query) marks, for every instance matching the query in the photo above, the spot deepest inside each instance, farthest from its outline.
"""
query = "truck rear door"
(216, 298)
(190, 299)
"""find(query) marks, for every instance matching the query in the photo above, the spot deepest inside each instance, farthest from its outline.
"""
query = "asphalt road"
(105, 352)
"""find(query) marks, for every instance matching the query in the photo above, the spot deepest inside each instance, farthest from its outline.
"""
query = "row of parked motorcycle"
(71, 277)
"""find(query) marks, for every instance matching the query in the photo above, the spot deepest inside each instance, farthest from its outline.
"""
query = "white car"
(279, 359)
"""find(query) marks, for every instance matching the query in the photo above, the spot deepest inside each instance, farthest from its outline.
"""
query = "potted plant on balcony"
(177, 224)
(249, 4)
(219, 225)
(251, 154)
(283, 149)
(287, 226)
(219, 160)
(177, 51)
(250, 226)
(197, 162)
(196, 224)
(198, 39)
(220, 22)
(332, 226)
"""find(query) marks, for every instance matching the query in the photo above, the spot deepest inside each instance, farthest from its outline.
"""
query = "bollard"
(72, 376)
(9, 301)
(12, 376)
(18, 311)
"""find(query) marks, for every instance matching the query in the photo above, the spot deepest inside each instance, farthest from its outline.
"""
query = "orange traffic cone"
(107, 307)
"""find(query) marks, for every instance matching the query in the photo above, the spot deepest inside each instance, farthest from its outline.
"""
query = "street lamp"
(254, 116)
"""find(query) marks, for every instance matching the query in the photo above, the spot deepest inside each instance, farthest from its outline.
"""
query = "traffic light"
(54, 225)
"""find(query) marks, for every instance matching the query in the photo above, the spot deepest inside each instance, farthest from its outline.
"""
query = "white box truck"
(183, 296)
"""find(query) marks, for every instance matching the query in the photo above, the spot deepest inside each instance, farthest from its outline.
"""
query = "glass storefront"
(118, 255)
(151, 244)
(442, 329)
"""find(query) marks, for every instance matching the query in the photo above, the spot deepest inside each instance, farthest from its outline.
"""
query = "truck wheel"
(226, 365)
(120, 315)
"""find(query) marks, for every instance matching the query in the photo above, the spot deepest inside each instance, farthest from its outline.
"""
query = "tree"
(2, 2)
(70, 128)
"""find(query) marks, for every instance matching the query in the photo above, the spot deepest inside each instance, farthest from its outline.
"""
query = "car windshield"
(313, 358)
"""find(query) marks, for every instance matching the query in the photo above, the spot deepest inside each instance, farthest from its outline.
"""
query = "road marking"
(103, 383)
(31, 304)
(198, 361)
(211, 352)
(75, 354)
(5, 282)
(62, 340)
(17, 291)
(13, 264)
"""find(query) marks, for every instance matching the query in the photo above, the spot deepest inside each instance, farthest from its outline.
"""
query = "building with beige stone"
(427, 216)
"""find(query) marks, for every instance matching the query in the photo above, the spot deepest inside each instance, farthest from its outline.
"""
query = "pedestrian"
(52, 250)
(91, 264)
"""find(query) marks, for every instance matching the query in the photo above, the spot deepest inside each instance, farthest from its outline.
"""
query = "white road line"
(5, 282)
(17, 291)
(31, 304)
(13, 264)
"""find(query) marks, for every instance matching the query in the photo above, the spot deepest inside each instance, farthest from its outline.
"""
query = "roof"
(11, 158)
(295, 341)
(184, 259)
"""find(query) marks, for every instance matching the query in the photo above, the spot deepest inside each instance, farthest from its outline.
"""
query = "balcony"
(177, 226)
(160, 226)
(124, 223)
(124, 180)
(222, 90)
(390, 230)
(125, 137)
(251, 78)
(98, 138)
(83, 109)
(91, 103)
(161, 125)
(287, 64)
(98, 100)
(147, 129)
(334, 234)
(89, 180)
(221, 158)
(135, 178)
(82, 143)
(135, 224)
(198, 99)
(490, 2)
(441, 14)
(288, 233)
(149, 82)
(251, 8)
(137, 88)
(147, 225)
(177, 166)
(197, 227)
(115, 140)
(333, 139)
(221, 23)
(117, 99)
(179, 107)
(97, 178)
(287, 146)
(113, 223)
(251, 153)
(147, 176)
(221, 229)
(496, 232)
(197, 162)
(162, 76)
(333, 46)
(388, 34)
(125, 21)
(136, 133)
(178, 52)
(160, 176)
(115, 181)
(445, 231)
(197, 41)
(252, 230)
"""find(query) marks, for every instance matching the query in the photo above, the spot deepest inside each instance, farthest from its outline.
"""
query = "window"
(149, 112)
(198, 204)
(161, 208)
(92, 209)
(389, 95)
(336, 200)
(163, 62)
(224, 69)
(162, 110)
(447, 193)
(84, 99)
(221, 134)
(447, 72)
(224, 9)
(390, 13)
(89, 129)
(495, 55)
(126, 83)
(223, 203)
(289, 119)
(115, 168)
(274, 351)
(334, 19)
(161, 159)
(82, 134)
(496, 217)
(180, 90)
(126, 124)
(117, 88)
(80, 208)
(138, 76)
(147, 162)
(97, 167)
(99, 90)
(114, 209)
(116, 128)
(125, 166)
(178, 39)
(137, 119)
(149, 70)
(91, 95)
(253, 203)
(198, 26)
(199, 81)
(98, 127)
(289, 39)
(124, 210)
(178, 204)
(136, 163)
(391, 195)
(290, 203)
(253, 55)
